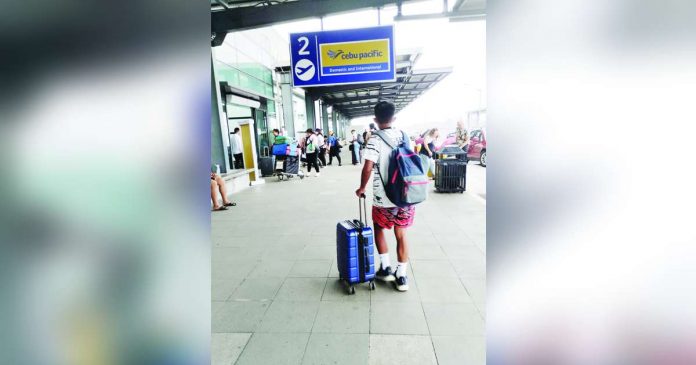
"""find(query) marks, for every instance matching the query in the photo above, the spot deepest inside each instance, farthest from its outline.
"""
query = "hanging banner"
(352, 56)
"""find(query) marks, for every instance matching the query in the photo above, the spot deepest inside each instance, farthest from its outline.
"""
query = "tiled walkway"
(277, 300)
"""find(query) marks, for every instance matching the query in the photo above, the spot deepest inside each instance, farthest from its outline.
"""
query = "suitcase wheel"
(351, 290)
(301, 177)
(372, 285)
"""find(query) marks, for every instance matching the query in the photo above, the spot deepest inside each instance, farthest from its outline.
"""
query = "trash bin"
(451, 152)
(450, 170)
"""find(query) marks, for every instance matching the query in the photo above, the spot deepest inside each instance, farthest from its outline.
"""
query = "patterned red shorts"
(390, 217)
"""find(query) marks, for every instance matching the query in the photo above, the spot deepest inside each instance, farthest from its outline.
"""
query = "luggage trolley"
(289, 162)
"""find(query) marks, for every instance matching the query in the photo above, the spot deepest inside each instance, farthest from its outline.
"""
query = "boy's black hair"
(384, 111)
(276, 130)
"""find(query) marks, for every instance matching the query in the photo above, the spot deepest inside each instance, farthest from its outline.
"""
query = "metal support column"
(288, 113)
(334, 121)
(311, 112)
(324, 117)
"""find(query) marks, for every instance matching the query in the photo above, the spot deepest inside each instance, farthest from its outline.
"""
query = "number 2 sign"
(337, 57)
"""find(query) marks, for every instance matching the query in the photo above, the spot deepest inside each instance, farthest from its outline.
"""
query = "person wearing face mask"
(354, 147)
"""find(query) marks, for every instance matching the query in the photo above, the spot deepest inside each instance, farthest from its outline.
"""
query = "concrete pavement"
(276, 298)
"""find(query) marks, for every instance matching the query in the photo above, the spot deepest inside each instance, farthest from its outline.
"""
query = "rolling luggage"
(291, 165)
(355, 251)
(266, 164)
(450, 176)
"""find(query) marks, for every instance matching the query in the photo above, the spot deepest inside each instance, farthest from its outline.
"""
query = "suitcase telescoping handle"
(362, 207)
(362, 241)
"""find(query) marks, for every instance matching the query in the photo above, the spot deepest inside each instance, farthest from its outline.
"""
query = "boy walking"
(385, 214)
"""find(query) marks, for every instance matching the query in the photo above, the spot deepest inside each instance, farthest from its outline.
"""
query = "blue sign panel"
(342, 56)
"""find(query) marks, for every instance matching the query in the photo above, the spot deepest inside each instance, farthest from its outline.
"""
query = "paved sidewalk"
(276, 298)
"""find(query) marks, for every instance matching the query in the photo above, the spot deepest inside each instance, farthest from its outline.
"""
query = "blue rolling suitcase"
(355, 251)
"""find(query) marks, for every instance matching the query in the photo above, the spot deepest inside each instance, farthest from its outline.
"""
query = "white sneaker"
(318, 174)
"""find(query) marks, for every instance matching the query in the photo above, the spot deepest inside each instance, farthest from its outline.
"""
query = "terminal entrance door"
(233, 123)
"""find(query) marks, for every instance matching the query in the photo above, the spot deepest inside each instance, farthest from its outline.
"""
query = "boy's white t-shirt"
(378, 152)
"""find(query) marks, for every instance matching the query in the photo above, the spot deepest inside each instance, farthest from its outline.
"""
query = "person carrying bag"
(311, 150)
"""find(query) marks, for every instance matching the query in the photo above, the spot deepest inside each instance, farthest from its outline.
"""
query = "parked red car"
(477, 146)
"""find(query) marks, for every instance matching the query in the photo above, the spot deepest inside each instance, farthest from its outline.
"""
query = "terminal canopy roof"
(358, 100)
(237, 15)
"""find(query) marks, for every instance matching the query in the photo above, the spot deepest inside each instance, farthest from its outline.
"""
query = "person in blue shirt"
(334, 148)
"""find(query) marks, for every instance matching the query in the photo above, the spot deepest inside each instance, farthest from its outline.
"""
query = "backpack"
(310, 148)
(407, 182)
(336, 143)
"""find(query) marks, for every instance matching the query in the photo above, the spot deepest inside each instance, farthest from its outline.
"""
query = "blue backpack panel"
(407, 181)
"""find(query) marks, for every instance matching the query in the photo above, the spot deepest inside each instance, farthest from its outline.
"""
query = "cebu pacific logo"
(333, 54)
(354, 55)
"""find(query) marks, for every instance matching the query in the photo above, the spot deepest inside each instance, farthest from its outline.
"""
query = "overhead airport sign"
(342, 56)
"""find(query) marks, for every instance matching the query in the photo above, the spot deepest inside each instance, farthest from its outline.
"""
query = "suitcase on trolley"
(450, 176)
(280, 149)
(355, 251)
(291, 165)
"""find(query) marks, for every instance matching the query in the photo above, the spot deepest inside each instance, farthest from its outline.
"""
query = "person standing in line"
(311, 149)
(322, 147)
(367, 134)
(236, 148)
(334, 148)
(428, 148)
(462, 137)
(385, 214)
(362, 139)
(355, 147)
(371, 129)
